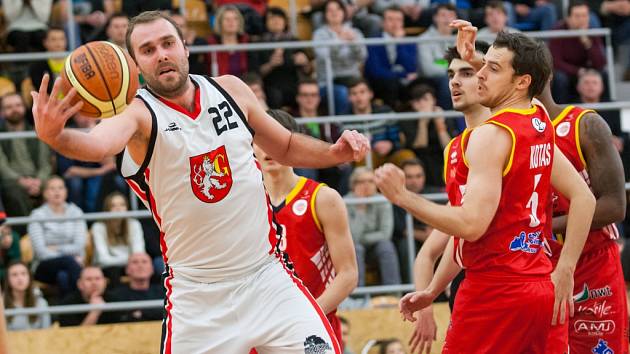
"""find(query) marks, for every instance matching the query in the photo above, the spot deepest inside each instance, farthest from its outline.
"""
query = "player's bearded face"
(169, 78)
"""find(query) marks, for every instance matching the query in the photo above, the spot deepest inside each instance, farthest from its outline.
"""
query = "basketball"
(105, 77)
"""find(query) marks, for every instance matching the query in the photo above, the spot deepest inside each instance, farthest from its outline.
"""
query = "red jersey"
(305, 240)
(512, 244)
(567, 127)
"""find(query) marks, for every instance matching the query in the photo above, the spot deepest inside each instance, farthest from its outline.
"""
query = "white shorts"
(268, 310)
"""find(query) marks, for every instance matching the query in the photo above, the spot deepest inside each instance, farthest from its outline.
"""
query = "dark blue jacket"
(377, 65)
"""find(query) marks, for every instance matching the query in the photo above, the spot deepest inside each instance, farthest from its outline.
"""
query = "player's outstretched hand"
(413, 302)
(424, 332)
(351, 146)
(51, 113)
(390, 180)
(562, 279)
(466, 36)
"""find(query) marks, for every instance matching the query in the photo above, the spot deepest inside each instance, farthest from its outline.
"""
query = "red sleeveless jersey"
(512, 244)
(567, 127)
(305, 242)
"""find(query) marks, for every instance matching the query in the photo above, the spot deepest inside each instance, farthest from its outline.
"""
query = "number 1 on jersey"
(533, 203)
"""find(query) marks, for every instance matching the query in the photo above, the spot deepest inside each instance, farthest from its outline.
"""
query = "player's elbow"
(472, 232)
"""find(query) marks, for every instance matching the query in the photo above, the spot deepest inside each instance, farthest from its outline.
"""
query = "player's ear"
(523, 82)
(186, 48)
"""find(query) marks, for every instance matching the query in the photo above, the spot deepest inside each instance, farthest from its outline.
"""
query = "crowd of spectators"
(74, 262)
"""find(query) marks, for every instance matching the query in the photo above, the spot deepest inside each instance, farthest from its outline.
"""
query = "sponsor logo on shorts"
(602, 348)
(316, 345)
(598, 309)
(589, 294)
(594, 328)
(528, 243)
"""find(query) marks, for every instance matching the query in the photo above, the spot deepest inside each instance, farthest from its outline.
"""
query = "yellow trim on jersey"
(313, 210)
(560, 238)
(447, 158)
(465, 133)
(525, 112)
(298, 187)
(509, 164)
(578, 145)
(561, 116)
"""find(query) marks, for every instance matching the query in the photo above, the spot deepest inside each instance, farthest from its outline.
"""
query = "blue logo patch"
(528, 243)
(602, 348)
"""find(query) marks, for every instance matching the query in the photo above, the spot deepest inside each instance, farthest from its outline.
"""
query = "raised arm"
(293, 149)
(567, 181)
(487, 152)
(106, 139)
(333, 217)
(605, 172)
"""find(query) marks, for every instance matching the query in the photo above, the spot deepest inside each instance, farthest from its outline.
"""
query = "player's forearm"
(578, 225)
(79, 145)
(308, 152)
(446, 271)
(425, 260)
(448, 219)
(340, 288)
(608, 210)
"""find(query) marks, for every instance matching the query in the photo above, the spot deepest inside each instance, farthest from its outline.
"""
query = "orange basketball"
(105, 77)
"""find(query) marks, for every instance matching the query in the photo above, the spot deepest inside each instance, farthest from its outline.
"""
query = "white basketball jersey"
(203, 185)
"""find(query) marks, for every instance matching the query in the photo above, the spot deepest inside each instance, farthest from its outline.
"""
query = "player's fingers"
(555, 312)
(43, 87)
(414, 338)
(571, 307)
(420, 345)
(35, 96)
(429, 344)
(68, 98)
(563, 311)
(72, 110)
(55, 92)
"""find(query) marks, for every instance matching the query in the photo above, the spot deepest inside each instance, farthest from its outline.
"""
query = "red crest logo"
(210, 175)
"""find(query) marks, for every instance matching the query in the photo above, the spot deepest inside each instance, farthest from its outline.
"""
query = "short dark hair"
(394, 8)
(341, 5)
(530, 57)
(497, 5)
(445, 6)
(412, 162)
(148, 17)
(307, 81)
(576, 3)
(452, 53)
(418, 91)
(356, 81)
(285, 119)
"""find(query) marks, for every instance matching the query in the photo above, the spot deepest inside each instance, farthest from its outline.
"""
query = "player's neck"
(514, 102)
(476, 115)
(280, 183)
(184, 97)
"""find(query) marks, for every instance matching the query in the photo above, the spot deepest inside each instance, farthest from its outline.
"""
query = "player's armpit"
(333, 217)
(605, 170)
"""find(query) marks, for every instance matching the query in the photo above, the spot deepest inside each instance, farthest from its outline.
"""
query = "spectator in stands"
(90, 17)
(531, 15)
(571, 56)
(495, 18)
(372, 225)
(197, 61)
(590, 88)
(116, 29)
(286, 66)
(389, 68)
(345, 334)
(391, 346)
(20, 293)
(386, 144)
(116, 239)
(54, 42)
(616, 14)
(133, 8)
(9, 249)
(24, 163)
(432, 65)
(139, 271)
(415, 180)
(357, 11)
(346, 59)
(257, 86)
(417, 12)
(59, 247)
(27, 21)
(229, 29)
(427, 137)
(84, 179)
(308, 106)
(90, 290)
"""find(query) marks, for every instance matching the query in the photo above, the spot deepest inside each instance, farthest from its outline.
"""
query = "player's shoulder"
(229, 82)
(592, 125)
(327, 197)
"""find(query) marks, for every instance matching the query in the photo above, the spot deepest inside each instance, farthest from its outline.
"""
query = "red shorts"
(335, 323)
(601, 315)
(500, 317)
(558, 339)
